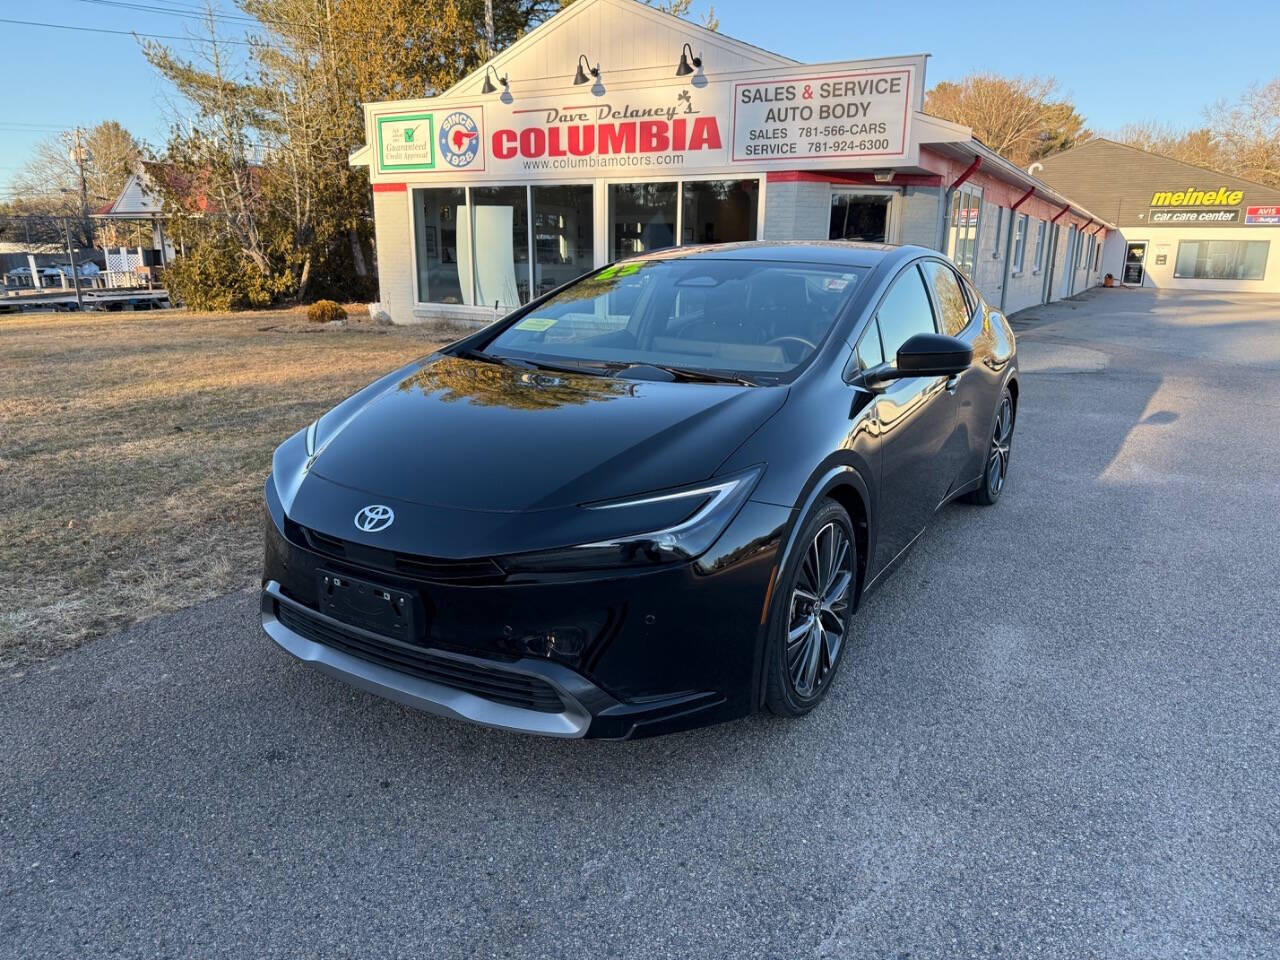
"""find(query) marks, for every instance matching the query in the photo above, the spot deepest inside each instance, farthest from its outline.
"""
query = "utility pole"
(75, 271)
(488, 29)
(80, 154)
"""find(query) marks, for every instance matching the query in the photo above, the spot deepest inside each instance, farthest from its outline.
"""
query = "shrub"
(326, 311)
(216, 276)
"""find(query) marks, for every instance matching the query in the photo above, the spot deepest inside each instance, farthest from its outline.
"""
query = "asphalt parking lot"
(1056, 736)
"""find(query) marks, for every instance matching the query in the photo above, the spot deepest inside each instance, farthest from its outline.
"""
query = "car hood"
(479, 436)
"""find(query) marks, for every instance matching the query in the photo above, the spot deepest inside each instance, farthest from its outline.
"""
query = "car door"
(917, 418)
(959, 313)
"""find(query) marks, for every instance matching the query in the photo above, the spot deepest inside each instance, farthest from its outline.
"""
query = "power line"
(189, 12)
(19, 124)
(123, 33)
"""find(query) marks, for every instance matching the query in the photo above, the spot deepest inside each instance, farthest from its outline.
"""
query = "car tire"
(995, 468)
(804, 650)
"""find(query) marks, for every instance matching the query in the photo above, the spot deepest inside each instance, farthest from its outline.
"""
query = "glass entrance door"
(860, 216)
(1135, 256)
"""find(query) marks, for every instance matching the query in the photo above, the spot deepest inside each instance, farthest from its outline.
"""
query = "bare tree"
(49, 183)
(1249, 132)
(1240, 137)
(677, 8)
(208, 180)
(1197, 147)
(1021, 118)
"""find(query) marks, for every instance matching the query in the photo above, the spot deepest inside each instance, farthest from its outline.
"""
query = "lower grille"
(500, 686)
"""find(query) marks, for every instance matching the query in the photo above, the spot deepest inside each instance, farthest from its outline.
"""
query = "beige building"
(614, 129)
(1179, 226)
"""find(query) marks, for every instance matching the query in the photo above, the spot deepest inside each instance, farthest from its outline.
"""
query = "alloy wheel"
(819, 609)
(998, 464)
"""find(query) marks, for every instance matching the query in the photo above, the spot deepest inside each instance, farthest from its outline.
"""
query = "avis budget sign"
(833, 116)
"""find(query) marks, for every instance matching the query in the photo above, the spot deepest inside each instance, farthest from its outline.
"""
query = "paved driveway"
(1056, 737)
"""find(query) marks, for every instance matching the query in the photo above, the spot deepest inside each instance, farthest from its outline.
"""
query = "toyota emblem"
(374, 517)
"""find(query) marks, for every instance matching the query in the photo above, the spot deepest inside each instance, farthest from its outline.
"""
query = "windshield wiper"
(704, 376)
(584, 367)
(471, 353)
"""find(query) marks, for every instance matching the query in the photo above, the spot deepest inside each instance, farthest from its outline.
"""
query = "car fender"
(828, 477)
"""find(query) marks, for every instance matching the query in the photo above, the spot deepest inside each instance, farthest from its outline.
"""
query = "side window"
(870, 353)
(953, 306)
(974, 297)
(904, 312)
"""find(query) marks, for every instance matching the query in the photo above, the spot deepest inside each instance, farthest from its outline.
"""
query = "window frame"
(1020, 227)
(965, 197)
(1042, 230)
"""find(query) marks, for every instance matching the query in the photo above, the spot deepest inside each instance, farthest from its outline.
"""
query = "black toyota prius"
(652, 499)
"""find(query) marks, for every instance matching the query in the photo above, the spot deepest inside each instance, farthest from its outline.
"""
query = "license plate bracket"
(371, 606)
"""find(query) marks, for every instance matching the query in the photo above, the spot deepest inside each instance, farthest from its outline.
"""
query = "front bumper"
(572, 720)
(615, 655)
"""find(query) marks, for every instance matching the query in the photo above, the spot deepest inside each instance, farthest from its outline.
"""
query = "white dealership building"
(614, 129)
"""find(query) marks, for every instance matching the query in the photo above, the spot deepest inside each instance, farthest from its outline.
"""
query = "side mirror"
(933, 355)
(924, 355)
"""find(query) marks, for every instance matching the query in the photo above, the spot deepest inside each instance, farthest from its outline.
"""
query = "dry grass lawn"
(133, 449)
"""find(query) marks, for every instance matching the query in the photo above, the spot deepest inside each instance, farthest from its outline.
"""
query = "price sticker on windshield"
(536, 324)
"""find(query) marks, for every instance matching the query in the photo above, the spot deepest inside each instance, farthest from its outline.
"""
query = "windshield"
(757, 319)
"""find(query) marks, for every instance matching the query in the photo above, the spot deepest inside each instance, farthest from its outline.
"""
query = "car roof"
(849, 253)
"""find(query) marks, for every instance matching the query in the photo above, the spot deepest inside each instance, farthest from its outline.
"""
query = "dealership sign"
(1267, 215)
(835, 116)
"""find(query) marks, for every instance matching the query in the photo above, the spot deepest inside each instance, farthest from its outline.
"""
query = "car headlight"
(711, 505)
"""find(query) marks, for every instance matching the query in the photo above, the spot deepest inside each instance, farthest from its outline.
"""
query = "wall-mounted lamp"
(581, 76)
(488, 84)
(882, 176)
(686, 58)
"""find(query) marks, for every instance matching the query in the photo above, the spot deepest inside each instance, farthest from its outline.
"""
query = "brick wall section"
(921, 208)
(800, 210)
(988, 268)
(1025, 288)
(395, 255)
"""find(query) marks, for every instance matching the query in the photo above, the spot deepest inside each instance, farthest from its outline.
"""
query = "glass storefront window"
(473, 244)
(720, 211)
(1222, 259)
(500, 216)
(436, 213)
(563, 235)
(642, 218)
(859, 216)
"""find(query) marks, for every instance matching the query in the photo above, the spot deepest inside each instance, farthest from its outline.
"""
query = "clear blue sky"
(1121, 61)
